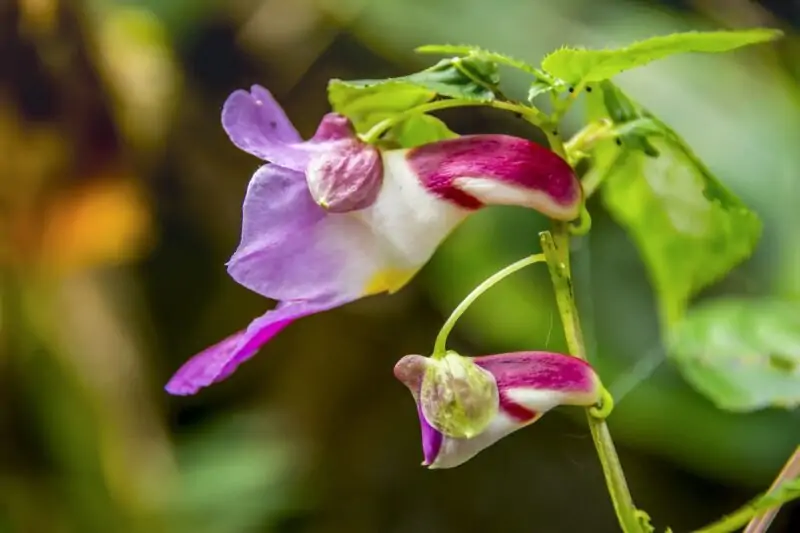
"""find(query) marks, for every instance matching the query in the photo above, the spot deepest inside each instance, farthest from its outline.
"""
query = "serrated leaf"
(368, 102)
(501, 59)
(689, 228)
(579, 66)
(743, 354)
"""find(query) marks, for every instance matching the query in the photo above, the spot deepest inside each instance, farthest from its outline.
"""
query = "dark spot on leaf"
(619, 142)
(781, 363)
(588, 89)
(572, 89)
(518, 115)
(555, 132)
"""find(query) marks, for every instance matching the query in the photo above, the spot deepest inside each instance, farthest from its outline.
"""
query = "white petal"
(454, 452)
(494, 192)
(405, 225)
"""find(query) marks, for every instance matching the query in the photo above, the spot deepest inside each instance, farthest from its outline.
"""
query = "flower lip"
(494, 169)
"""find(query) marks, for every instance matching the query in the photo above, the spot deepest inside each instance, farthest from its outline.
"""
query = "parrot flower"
(467, 404)
(333, 219)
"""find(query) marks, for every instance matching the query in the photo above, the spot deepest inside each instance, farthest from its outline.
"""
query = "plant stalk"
(788, 489)
(555, 246)
(791, 470)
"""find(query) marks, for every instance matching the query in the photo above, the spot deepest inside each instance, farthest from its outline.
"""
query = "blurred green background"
(120, 201)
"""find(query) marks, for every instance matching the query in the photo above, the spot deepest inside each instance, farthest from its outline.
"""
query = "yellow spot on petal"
(389, 280)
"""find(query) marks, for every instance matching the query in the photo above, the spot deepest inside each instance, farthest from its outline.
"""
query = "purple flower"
(468, 404)
(332, 219)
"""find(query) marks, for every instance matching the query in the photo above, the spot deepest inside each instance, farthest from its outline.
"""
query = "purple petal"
(409, 371)
(291, 249)
(257, 124)
(220, 360)
(474, 170)
(431, 439)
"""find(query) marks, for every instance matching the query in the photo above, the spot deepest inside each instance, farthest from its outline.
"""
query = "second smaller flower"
(467, 404)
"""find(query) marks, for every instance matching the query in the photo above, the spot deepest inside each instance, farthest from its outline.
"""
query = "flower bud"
(467, 404)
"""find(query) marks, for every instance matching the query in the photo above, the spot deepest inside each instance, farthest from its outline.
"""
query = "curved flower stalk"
(333, 219)
(467, 404)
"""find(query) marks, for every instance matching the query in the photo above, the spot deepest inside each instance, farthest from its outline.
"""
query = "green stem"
(381, 127)
(786, 491)
(556, 251)
(531, 114)
(586, 138)
(594, 178)
(439, 347)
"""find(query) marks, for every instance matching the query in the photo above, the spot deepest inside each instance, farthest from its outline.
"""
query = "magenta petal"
(555, 379)
(220, 360)
(541, 371)
(256, 123)
(475, 170)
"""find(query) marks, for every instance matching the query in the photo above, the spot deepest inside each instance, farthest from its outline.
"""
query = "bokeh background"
(120, 201)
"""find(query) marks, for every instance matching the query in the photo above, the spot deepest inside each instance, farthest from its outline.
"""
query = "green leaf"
(368, 102)
(580, 66)
(419, 130)
(744, 354)
(689, 228)
(644, 127)
(467, 78)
